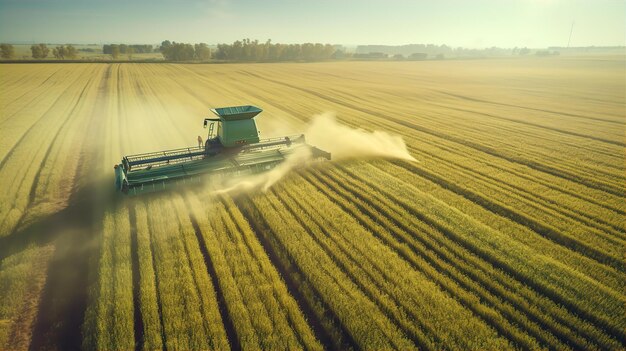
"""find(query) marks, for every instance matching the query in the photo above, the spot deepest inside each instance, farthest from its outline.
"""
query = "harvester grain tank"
(232, 147)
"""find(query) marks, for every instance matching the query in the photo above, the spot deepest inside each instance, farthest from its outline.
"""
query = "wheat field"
(507, 232)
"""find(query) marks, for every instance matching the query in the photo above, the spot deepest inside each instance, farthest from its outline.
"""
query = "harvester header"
(232, 147)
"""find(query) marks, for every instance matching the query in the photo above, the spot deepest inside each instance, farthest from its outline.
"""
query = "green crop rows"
(507, 232)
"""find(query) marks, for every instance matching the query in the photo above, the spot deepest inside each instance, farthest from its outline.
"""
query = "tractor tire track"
(29, 91)
(467, 98)
(64, 300)
(21, 139)
(44, 160)
(159, 304)
(28, 104)
(138, 325)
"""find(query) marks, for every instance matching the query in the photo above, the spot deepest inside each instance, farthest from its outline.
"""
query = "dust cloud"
(300, 157)
(326, 133)
(343, 142)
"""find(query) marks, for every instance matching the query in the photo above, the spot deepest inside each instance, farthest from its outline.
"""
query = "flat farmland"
(509, 231)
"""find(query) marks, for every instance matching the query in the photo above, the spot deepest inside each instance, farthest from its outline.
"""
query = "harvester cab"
(233, 147)
(235, 127)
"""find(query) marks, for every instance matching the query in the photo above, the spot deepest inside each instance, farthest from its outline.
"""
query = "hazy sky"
(468, 23)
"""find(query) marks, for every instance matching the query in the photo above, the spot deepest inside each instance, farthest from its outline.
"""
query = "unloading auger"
(232, 148)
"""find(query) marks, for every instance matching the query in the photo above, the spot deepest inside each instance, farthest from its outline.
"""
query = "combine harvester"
(232, 148)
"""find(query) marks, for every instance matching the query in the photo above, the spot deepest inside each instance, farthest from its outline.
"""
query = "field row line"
(585, 216)
(601, 247)
(441, 267)
(366, 269)
(367, 325)
(602, 273)
(507, 169)
(569, 288)
(18, 200)
(590, 182)
(322, 318)
(443, 253)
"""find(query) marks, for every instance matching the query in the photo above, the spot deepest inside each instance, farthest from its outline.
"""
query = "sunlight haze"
(474, 24)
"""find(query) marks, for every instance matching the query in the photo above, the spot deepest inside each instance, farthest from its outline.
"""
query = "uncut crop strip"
(583, 209)
(109, 319)
(587, 210)
(461, 287)
(589, 213)
(183, 284)
(574, 292)
(247, 283)
(392, 306)
(493, 148)
(439, 148)
(274, 316)
(152, 337)
(279, 291)
(603, 211)
(382, 270)
(597, 130)
(467, 153)
(618, 218)
(574, 224)
(599, 154)
(593, 269)
(367, 325)
(567, 231)
(485, 282)
(498, 121)
(328, 326)
(485, 146)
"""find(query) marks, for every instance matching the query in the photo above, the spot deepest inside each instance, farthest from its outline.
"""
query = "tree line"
(248, 50)
(173, 51)
(115, 50)
(253, 50)
(41, 51)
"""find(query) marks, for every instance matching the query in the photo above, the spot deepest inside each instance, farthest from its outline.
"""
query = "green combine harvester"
(232, 148)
